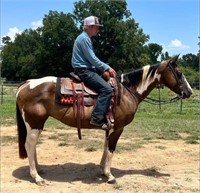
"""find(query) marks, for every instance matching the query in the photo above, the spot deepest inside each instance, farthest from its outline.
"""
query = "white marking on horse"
(107, 172)
(147, 80)
(24, 118)
(188, 85)
(122, 78)
(30, 145)
(20, 88)
(35, 82)
(32, 83)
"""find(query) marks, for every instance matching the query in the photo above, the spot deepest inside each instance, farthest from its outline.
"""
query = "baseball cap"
(91, 20)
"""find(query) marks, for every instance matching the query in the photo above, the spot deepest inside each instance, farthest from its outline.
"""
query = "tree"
(6, 40)
(48, 49)
(121, 41)
(22, 57)
(154, 51)
(9, 60)
(165, 56)
(190, 60)
(58, 35)
(191, 75)
(41, 52)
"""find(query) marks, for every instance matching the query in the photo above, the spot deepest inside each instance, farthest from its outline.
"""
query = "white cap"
(91, 20)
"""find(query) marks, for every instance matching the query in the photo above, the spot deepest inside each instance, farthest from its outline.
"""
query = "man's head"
(91, 20)
(91, 25)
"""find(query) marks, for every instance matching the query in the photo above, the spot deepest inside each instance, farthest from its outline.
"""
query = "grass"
(168, 122)
(8, 139)
(7, 111)
(150, 123)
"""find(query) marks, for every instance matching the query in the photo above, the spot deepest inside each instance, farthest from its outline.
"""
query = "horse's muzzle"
(186, 94)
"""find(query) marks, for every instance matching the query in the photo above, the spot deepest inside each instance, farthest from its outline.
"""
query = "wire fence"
(8, 93)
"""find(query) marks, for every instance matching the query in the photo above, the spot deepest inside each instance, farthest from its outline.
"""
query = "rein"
(154, 101)
(158, 102)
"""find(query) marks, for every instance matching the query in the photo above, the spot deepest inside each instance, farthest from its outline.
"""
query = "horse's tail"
(22, 133)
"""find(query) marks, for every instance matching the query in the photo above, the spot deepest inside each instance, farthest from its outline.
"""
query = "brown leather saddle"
(71, 91)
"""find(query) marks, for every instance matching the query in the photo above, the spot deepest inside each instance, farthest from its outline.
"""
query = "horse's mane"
(136, 76)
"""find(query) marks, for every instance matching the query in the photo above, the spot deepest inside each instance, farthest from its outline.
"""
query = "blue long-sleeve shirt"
(83, 54)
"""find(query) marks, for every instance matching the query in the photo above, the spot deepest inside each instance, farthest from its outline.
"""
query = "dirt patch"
(159, 166)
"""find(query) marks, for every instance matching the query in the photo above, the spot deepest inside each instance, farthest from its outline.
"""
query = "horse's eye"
(179, 74)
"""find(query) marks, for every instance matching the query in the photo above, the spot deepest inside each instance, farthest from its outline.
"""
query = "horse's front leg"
(109, 148)
(30, 145)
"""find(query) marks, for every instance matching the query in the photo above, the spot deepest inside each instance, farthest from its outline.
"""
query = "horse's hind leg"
(109, 148)
(30, 145)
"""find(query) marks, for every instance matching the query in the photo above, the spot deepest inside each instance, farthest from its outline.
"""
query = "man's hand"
(106, 76)
(112, 72)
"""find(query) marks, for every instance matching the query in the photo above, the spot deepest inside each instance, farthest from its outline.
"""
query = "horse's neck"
(141, 82)
(143, 90)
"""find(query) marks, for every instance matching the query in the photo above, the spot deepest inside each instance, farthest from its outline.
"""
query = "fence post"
(181, 108)
(2, 92)
(159, 98)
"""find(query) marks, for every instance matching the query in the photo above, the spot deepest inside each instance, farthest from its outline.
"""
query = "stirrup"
(103, 126)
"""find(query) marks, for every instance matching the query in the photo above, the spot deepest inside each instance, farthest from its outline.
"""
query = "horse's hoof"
(112, 181)
(41, 183)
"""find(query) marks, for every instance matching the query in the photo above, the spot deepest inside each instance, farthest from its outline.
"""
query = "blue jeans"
(94, 81)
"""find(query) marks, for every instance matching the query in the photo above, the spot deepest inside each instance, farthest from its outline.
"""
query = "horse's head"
(174, 79)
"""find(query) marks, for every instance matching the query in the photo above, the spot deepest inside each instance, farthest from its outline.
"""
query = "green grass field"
(150, 122)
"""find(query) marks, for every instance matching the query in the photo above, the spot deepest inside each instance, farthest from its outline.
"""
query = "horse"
(35, 102)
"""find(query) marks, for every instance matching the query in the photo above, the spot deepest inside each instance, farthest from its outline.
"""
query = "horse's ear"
(166, 63)
(173, 60)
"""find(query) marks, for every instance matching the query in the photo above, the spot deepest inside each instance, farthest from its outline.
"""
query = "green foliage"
(108, 11)
(21, 58)
(58, 35)
(191, 74)
(121, 41)
(9, 55)
(8, 139)
(41, 52)
(154, 51)
(7, 111)
(48, 49)
(165, 56)
(190, 60)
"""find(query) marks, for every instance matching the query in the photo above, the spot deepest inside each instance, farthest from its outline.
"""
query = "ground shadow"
(87, 173)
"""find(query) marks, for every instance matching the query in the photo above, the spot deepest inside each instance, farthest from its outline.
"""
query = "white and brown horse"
(36, 102)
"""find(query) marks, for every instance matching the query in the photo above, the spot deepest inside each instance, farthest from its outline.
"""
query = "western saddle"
(72, 91)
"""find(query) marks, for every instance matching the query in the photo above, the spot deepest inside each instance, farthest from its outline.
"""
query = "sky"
(173, 24)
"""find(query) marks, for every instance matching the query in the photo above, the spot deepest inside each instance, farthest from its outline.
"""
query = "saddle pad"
(70, 98)
(68, 86)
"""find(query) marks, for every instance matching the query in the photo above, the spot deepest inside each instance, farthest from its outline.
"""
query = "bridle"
(158, 102)
(177, 79)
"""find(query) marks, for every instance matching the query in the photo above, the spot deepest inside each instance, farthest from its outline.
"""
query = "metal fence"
(195, 85)
(8, 91)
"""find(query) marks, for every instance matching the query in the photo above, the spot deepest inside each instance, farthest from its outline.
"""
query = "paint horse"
(36, 102)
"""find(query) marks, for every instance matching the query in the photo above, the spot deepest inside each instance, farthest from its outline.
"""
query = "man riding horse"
(89, 68)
